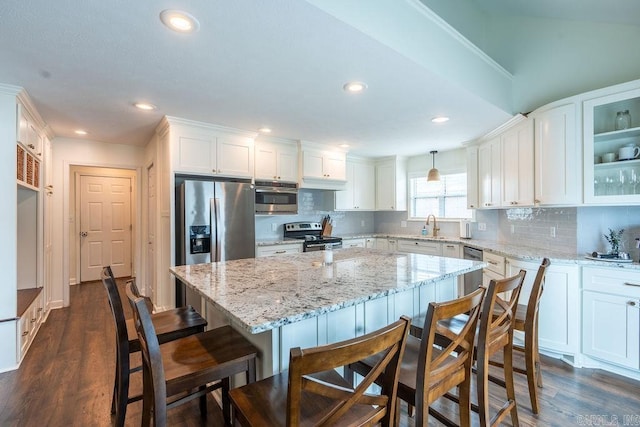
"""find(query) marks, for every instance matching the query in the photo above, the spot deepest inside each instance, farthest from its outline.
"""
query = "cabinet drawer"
(494, 262)
(420, 247)
(612, 280)
(278, 250)
(353, 243)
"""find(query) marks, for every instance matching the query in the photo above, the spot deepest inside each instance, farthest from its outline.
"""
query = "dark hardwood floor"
(67, 377)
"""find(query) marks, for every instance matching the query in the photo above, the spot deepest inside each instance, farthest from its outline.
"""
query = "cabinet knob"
(278, 177)
(631, 303)
(472, 206)
(536, 201)
(33, 147)
(280, 252)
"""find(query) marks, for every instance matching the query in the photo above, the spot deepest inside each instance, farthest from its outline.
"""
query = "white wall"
(68, 152)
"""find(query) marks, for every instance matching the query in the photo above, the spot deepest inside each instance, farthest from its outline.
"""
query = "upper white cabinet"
(210, 150)
(391, 184)
(558, 172)
(473, 201)
(490, 173)
(517, 165)
(611, 153)
(359, 193)
(277, 161)
(28, 133)
(322, 167)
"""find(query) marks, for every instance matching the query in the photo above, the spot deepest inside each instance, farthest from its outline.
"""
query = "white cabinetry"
(473, 201)
(386, 244)
(611, 316)
(359, 193)
(419, 246)
(391, 184)
(322, 167)
(28, 131)
(451, 250)
(490, 173)
(558, 172)
(558, 313)
(210, 150)
(606, 181)
(517, 165)
(271, 250)
(276, 161)
(354, 243)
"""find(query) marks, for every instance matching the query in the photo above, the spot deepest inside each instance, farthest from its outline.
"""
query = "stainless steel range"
(311, 233)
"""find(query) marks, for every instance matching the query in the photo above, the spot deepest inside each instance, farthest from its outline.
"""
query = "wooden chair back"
(154, 383)
(388, 341)
(439, 370)
(122, 340)
(134, 289)
(497, 316)
(536, 292)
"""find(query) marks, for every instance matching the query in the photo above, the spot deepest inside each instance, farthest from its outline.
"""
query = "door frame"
(72, 263)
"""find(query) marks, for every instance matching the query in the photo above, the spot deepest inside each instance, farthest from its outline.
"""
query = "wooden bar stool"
(440, 360)
(313, 393)
(526, 320)
(190, 367)
(169, 325)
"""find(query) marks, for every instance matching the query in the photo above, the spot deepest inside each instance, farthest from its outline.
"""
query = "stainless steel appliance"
(276, 198)
(311, 233)
(474, 279)
(215, 221)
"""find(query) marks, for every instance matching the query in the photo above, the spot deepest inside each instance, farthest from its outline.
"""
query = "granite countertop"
(259, 294)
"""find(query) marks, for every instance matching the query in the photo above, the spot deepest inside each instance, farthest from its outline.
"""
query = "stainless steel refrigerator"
(215, 221)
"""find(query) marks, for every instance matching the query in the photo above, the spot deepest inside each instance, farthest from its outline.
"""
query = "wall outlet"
(274, 226)
(552, 232)
(403, 224)
(482, 226)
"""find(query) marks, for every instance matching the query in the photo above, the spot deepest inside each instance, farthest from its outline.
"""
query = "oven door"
(271, 201)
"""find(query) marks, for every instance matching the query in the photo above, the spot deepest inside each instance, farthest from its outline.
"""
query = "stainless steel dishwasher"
(474, 279)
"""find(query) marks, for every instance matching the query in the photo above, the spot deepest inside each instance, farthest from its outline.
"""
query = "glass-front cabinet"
(612, 149)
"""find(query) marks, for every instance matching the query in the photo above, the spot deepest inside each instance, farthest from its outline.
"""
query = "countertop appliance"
(465, 229)
(473, 279)
(311, 233)
(214, 222)
(274, 197)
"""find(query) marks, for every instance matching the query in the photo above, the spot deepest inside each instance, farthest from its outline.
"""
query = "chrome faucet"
(435, 229)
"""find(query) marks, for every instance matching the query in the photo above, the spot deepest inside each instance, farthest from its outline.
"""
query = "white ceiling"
(253, 63)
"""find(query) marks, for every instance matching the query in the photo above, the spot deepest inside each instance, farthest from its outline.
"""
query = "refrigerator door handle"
(215, 222)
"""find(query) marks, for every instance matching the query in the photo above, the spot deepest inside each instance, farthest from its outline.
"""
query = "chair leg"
(226, 403)
(203, 402)
(121, 391)
(482, 379)
(464, 404)
(508, 379)
(532, 374)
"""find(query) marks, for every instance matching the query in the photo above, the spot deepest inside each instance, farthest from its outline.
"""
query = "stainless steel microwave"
(276, 198)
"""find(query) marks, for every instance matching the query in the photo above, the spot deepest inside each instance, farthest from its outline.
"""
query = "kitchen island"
(298, 300)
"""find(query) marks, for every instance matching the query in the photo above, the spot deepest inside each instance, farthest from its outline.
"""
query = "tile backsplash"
(576, 229)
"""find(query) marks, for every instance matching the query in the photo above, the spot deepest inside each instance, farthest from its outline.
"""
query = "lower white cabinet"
(611, 316)
(271, 250)
(29, 323)
(386, 244)
(354, 243)
(558, 313)
(418, 246)
(451, 250)
(370, 242)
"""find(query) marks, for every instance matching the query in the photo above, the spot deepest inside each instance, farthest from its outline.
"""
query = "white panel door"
(105, 226)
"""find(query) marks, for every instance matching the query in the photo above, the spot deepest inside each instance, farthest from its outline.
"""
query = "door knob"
(83, 234)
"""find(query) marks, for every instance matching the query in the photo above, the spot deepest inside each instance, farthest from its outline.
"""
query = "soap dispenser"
(424, 230)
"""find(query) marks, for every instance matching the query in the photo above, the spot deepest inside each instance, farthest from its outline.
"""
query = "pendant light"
(434, 174)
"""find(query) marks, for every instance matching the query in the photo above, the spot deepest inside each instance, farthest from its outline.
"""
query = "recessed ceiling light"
(179, 21)
(264, 130)
(81, 132)
(344, 145)
(144, 106)
(354, 87)
(440, 119)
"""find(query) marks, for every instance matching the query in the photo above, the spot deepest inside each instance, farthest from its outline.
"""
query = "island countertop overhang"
(260, 294)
